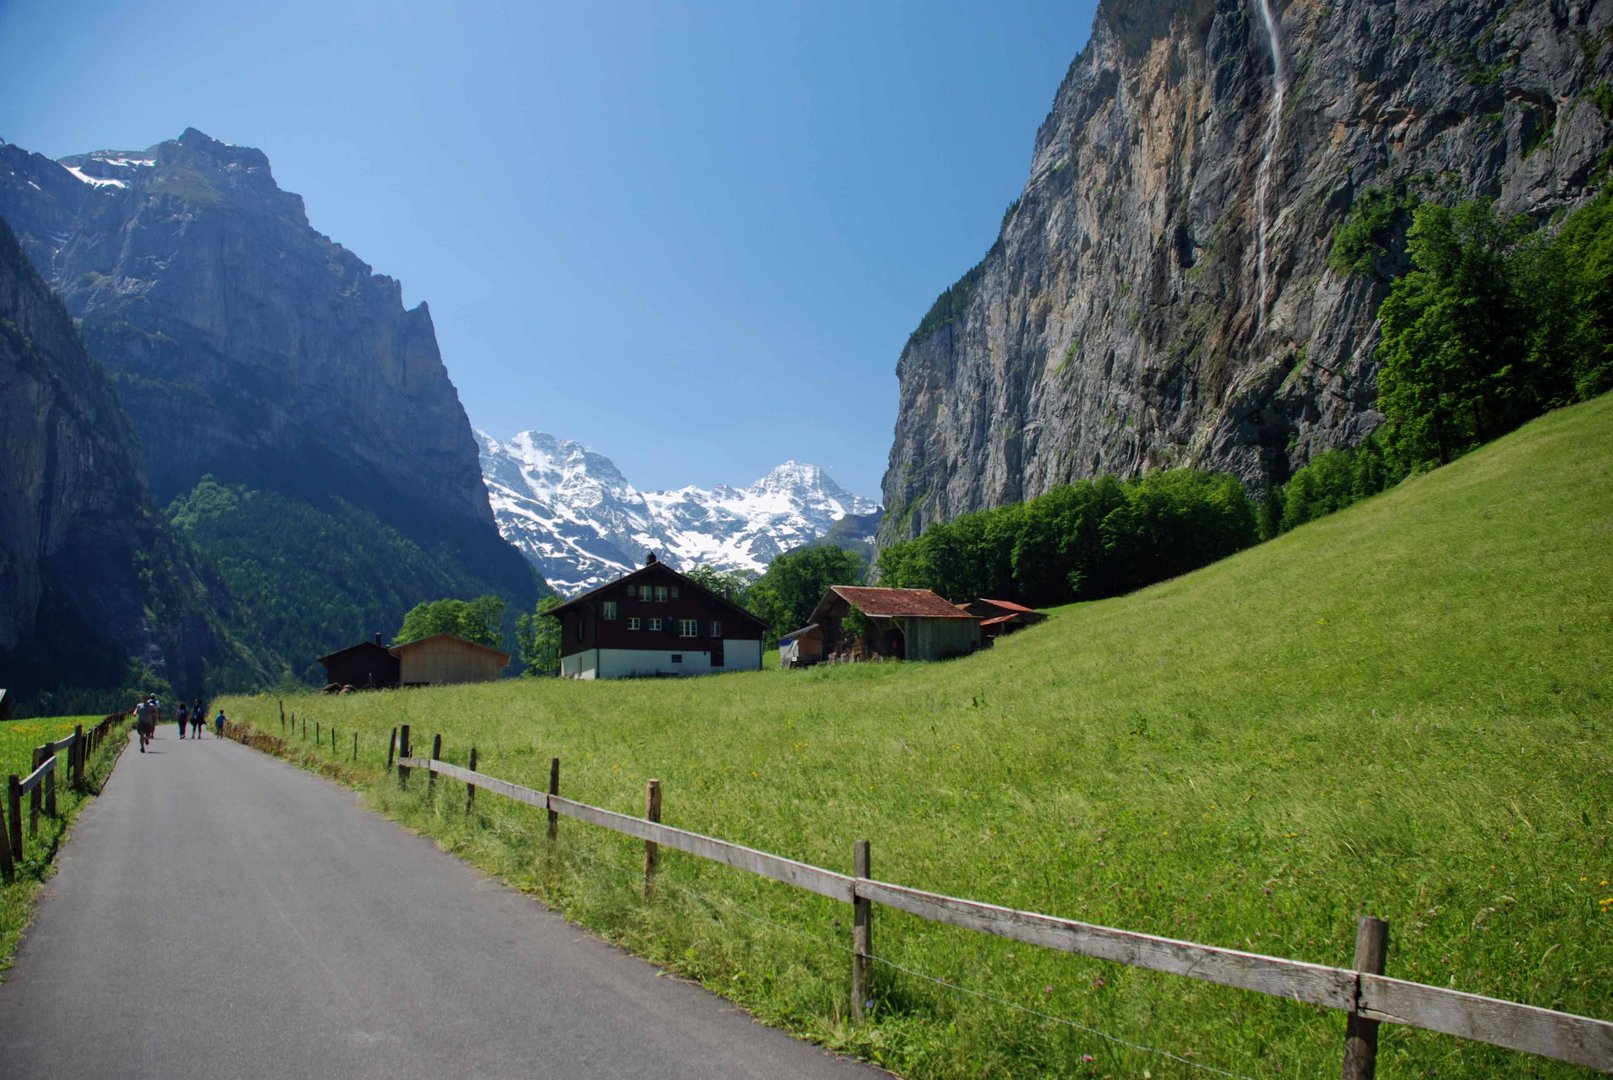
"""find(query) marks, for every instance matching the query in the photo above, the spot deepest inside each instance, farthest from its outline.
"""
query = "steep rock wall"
(1160, 295)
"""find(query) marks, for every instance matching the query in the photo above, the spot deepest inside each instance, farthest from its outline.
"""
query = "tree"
(729, 584)
(785, 596)
(1452, 366)
(474, 620)
(538, 637)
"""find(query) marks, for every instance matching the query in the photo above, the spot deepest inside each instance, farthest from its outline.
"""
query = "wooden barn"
(655, 621)
(999, 617)
(898, 624)
(443, 658)
(369, 665)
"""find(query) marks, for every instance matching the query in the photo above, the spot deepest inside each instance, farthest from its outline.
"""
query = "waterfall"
(1274, 119)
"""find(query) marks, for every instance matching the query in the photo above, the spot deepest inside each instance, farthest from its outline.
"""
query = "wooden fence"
(40, 787)
(1363, 993)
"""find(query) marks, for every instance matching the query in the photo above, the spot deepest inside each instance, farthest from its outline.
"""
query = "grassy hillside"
(1405, 709)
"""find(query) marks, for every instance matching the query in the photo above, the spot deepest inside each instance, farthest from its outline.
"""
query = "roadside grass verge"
(18, 738)
(1404, 710)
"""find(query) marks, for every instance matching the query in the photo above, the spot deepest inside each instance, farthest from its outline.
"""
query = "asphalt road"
(220, 914)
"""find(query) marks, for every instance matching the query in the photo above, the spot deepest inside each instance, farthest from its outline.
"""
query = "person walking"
(218, 723)
(182, 716)
(198, 718)
(144, 719)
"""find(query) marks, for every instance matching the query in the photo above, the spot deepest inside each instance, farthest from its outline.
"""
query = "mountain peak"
(577, 519)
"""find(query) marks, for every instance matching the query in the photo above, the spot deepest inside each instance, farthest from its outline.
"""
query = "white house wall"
(738, 655)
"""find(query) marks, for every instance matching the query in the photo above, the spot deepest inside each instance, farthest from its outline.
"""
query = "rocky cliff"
(1160, 293)
(249, 348)
(85, 563)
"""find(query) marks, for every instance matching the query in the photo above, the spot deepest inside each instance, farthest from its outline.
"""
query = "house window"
(655, 624)
(609, 614)
(632, 622)
(580, 633)
(660, 594)
(716, 628)
(674, 592)
(677, 658)
(688, 627)
(632, 591)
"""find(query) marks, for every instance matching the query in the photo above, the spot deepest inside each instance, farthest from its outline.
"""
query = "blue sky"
(693, 237)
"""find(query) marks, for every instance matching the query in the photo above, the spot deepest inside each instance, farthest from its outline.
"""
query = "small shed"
(369, 665)
(445, 658)
(999, 617)
(899, 624)
(801, 648)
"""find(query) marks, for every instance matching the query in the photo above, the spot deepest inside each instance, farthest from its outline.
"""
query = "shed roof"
(803, 632)
(1009, 605)
(366, 645)
(399, 650)
(891, 603)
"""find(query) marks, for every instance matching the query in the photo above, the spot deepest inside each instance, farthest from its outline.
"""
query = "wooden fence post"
(862, 933)
(35, 796)
(1361, 1034)
(333, 738)
(49, 780)
(14, 814)
(79, 747)
(403, 752)
(8, 870)
(282, 702)
(317, 740)
(470, 788)
(355, 746)
(652, 850)
(391, 748)
(554, 789)
(436, 755)
(305, 726)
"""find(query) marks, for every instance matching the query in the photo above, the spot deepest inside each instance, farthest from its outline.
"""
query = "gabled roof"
(893, 603)
(368, 645)
(399, 650)
(1009, 605)
(1000, 620)
(649, 571)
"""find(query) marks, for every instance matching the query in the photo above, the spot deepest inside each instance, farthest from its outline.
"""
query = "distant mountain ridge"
(581, 522)
(254, 354)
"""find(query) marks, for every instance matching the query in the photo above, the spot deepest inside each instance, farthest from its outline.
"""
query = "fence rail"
(1366, 995)
(40, 787)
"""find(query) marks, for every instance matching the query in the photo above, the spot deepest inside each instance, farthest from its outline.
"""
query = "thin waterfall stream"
(1274, 119)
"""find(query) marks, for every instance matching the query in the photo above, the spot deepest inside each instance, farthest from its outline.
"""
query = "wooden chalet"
(901, 624)
(999, 617)
(445, 658)
(369, 665)
(655, 621)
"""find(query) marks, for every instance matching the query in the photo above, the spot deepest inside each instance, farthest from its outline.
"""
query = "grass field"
(17, 741)
(1405, 709)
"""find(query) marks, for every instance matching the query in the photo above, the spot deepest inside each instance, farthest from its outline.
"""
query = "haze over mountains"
(581, 522)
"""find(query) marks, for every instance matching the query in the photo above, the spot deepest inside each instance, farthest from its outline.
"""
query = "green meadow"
(1404, 709)
(18, 738)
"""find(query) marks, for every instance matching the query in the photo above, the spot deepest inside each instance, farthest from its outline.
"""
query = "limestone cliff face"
(83, 562)
(1160, 295)
(246, 345)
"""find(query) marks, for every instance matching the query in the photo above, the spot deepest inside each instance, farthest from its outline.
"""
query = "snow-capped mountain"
(580, 522)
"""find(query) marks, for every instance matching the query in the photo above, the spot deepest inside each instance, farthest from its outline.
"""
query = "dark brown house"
(369, 665)
(655, 621)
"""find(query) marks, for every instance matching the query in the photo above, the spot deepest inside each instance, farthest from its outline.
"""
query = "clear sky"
(693, 237)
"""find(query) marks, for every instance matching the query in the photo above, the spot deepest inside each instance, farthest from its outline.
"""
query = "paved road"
(219, 914)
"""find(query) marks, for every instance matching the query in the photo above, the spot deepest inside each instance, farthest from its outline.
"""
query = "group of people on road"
(148, 714)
